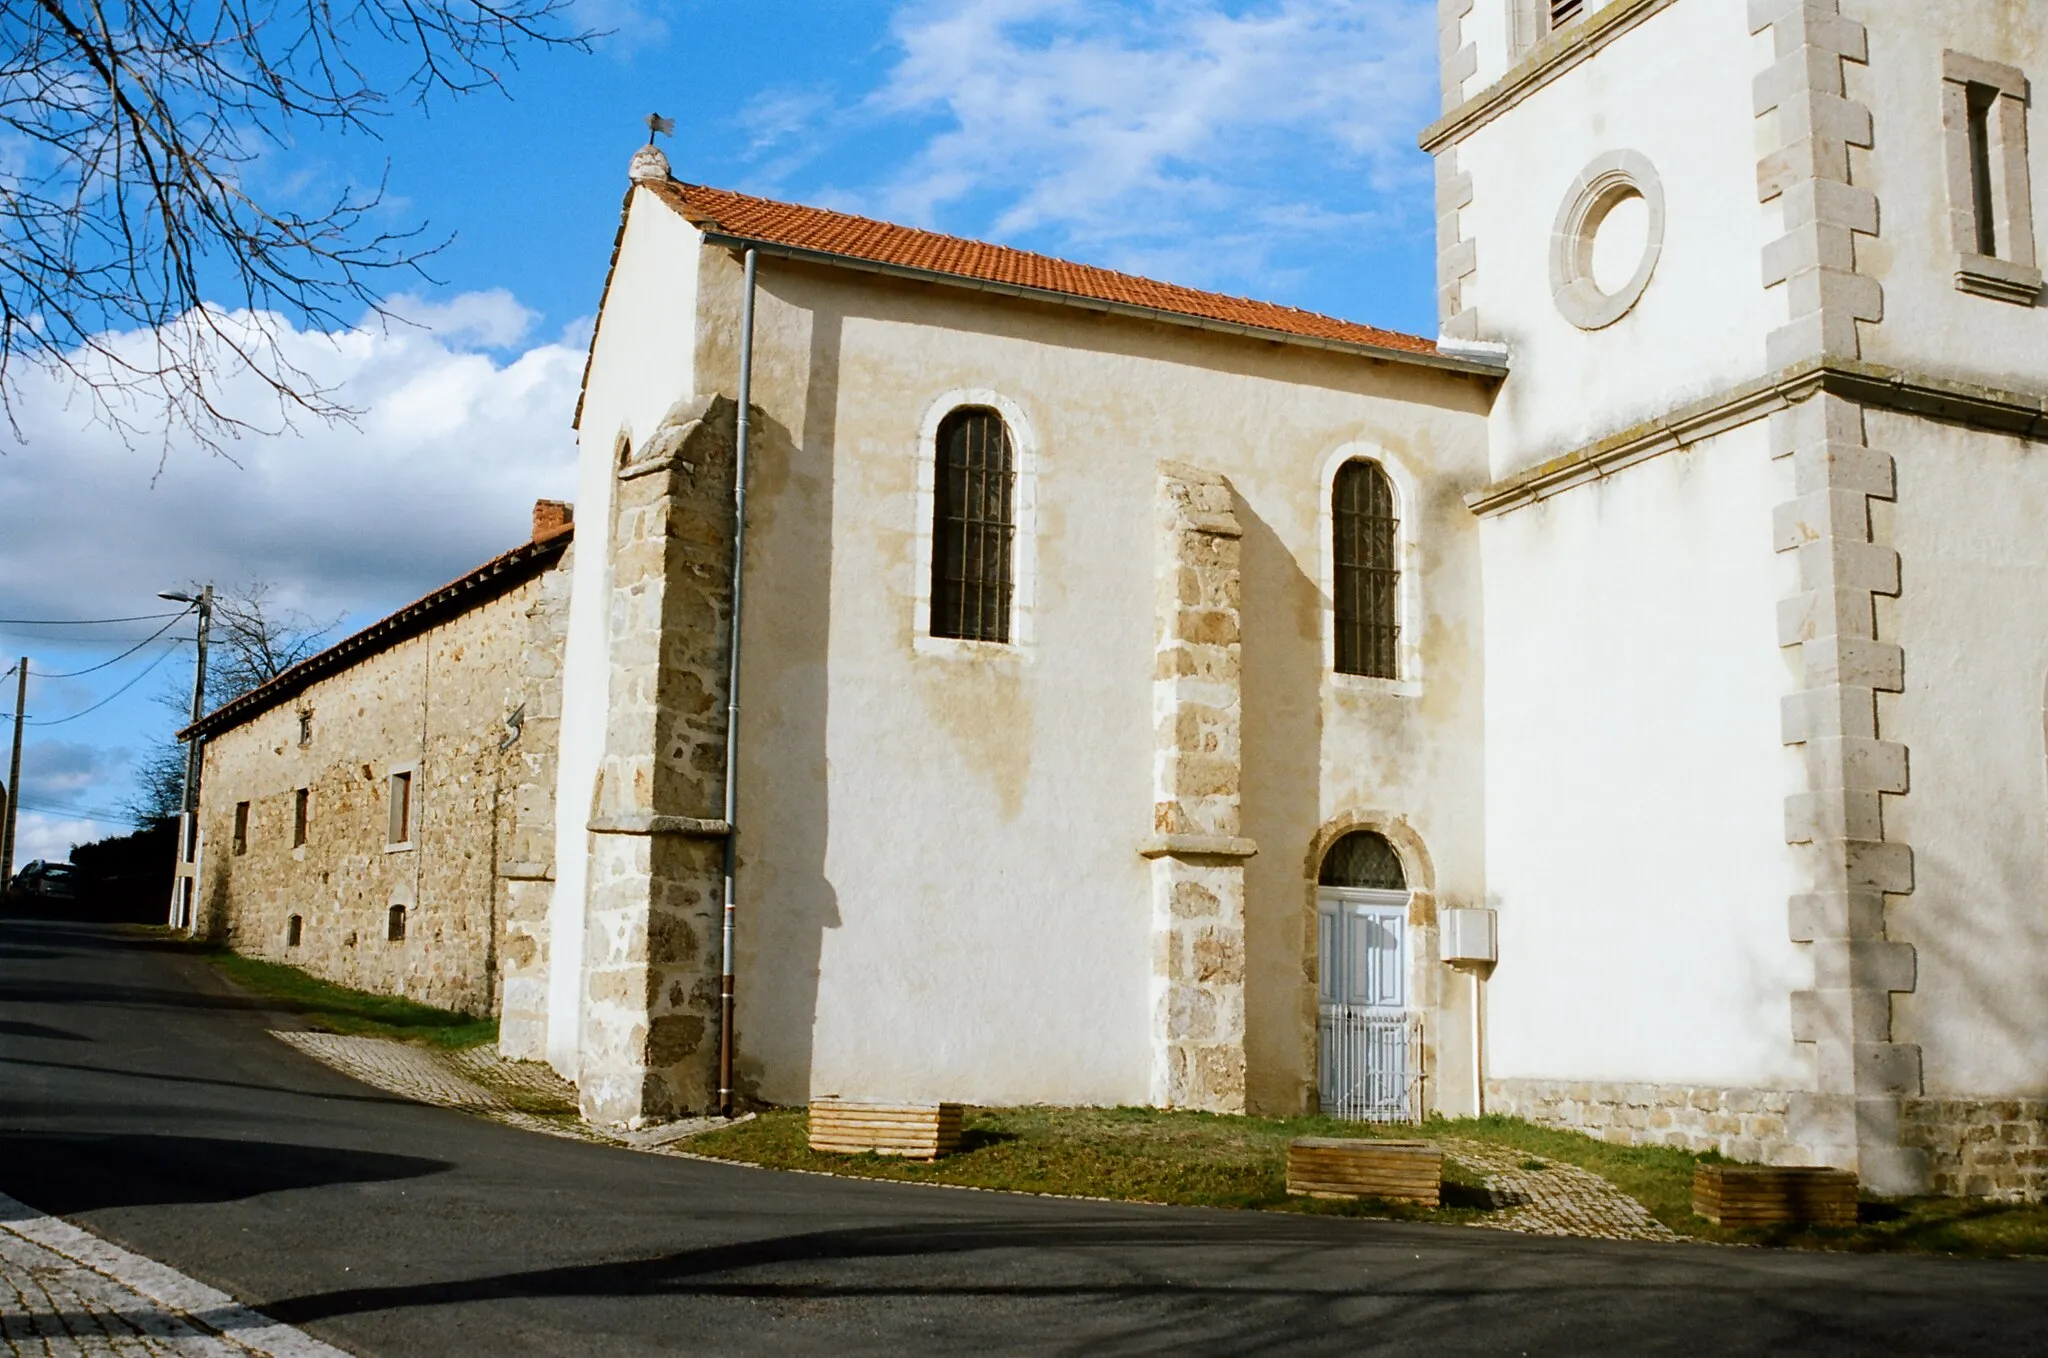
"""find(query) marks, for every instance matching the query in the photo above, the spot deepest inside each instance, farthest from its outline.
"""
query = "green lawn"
(337, 1009)
(1201, 1159)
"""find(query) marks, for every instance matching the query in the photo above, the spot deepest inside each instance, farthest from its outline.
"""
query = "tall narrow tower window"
(974, 524)
(1367, 577)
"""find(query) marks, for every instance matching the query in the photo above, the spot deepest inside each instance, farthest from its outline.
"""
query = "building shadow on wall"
(784, 710)
(1281, 666)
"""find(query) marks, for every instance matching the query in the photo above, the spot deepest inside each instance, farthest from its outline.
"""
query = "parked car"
(41, 881)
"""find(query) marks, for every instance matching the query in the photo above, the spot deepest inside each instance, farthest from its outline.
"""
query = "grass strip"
(1210, 1160)
(332, 1008)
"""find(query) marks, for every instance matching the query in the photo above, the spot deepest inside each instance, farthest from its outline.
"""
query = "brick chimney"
(551, 517)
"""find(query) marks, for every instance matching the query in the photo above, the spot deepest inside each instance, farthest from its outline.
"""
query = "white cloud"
(50, 837)
(1146, 125)
(438, 473)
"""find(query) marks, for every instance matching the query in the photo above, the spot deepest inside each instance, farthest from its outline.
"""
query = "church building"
(996, 679)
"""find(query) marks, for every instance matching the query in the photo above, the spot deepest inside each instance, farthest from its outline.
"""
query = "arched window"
(973, 522)
(1363, 859)
(1367, 579)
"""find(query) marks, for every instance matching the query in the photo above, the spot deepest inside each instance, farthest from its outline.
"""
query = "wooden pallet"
(916, 1131)
(1341, 1167)
(1771, 1195)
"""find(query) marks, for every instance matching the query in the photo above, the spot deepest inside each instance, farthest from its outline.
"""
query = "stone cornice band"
(642, 823)
(1942, 398)
(1545, 62)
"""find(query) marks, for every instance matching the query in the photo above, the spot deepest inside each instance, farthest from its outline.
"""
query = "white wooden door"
(1362, 1004)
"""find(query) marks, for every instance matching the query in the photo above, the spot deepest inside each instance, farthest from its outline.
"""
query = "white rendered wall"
(1929, 325)
(941, 891)
(1968, 525)
(1491, 27)
(1636, 779)
(1677, 90)
(641, 366)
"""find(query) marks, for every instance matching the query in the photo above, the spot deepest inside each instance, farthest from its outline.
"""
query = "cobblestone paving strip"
(65, 1291)
(1558, 1199)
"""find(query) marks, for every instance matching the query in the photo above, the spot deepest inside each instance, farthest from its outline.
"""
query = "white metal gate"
(1363, 1065)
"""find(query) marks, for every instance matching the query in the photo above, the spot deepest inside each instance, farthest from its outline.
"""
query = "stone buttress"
(650, 984)
(1197, 855)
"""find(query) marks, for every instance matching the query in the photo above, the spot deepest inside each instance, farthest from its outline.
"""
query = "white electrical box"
(1467, 936)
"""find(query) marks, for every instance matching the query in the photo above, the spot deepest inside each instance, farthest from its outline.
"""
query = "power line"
(141, 674)
(85, 622)
(98, 816)
(175, 620)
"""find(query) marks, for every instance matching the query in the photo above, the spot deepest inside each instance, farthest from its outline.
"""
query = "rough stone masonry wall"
(436, 703)
(1198, 965)
(1744, 1124)
(651, 940)
(1982, 1148)
(527, 852)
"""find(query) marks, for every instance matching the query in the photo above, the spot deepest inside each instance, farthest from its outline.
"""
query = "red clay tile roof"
(860, 238)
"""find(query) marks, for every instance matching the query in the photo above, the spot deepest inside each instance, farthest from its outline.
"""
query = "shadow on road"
(65, 1174)
(23, 1028)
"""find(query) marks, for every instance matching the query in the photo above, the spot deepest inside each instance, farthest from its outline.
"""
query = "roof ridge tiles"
(830, 232)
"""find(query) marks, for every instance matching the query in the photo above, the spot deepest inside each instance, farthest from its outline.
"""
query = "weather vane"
(656, 124)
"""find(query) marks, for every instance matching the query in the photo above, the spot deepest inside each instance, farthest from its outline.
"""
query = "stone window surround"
(2013, 274)
(411, 840)
(1023, 546)
(1407, 493)
(1607, 181)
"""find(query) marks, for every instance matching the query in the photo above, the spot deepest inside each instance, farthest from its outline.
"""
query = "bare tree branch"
(136, 260)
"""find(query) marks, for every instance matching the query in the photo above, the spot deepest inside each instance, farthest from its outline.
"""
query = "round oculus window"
(1608, 235)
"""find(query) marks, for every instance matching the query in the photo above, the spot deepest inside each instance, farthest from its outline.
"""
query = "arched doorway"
(1364, 1069)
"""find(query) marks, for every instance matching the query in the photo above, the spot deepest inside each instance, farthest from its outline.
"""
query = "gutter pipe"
(732, 685)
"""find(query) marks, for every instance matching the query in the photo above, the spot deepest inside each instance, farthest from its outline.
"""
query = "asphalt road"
(141, 1098)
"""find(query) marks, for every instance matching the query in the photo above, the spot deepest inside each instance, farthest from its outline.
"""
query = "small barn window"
(1367, 579)
(973, 527)
(293, 929)
(302, 806)
(399, 831)
(1365, 860)
(241, 827)
(394, 927)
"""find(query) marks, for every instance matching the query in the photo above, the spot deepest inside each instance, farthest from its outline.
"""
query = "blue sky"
(1266, 149)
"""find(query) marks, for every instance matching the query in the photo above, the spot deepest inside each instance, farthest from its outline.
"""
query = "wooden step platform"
(916, 1131)
(1342, 1167)
(1773, 1195)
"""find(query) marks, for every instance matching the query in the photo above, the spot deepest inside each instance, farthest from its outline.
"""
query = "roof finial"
(648, 162)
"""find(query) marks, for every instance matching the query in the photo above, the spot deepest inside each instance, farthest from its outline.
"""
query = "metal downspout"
(732, 685)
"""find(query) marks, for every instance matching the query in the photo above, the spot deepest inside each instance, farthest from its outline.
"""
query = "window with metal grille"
(1363, 858)
(973, 523)
(1367, 579)
(1563, 12)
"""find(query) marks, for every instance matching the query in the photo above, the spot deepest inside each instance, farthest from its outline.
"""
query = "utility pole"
(14, 777)
(184, 886)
